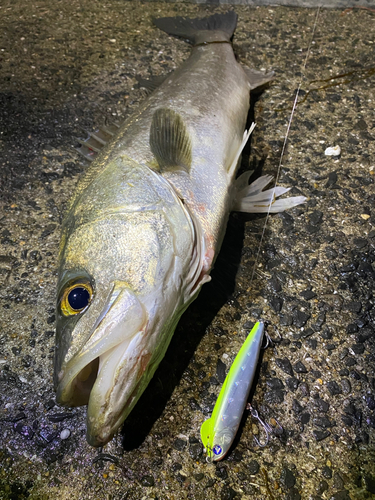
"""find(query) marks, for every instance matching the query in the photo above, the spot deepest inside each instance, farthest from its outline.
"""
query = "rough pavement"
(68, 67)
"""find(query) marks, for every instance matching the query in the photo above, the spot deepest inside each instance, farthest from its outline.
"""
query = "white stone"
(64, 434)
(333, 151)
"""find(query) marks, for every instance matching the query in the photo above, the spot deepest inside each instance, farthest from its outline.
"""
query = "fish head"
(121, 292)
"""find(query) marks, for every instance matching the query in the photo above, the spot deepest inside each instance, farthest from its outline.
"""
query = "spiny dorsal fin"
(170, 141)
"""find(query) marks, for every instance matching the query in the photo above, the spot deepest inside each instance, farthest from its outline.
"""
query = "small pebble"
(65, 433)
(287, 478)
(195, 450)
(347, 420)
(300, 318)
(292, 383)
(333, 151)
(322, 487)
(358, 348)
(293, 494)
(322, 422)
(274, 397)
(296, 406)
(351, 328)
(344, 353)
(305, 418)
(59, 417)
(299, 367)
(227, 493)
(220, 371)
(304, 388)
(338, 482)
(308, 294)
(275, 383)
(312, 343)
(344, 372)
(221, 472)
(346, 386)
(327, 472)
(253, 467)
(370, 401)
(322, 405)
(320, 435)
(179, 444)
(285, 365)
(333, 388)
(286, 320)
(147, 481)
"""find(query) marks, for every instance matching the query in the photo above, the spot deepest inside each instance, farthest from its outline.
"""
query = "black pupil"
(78, 298)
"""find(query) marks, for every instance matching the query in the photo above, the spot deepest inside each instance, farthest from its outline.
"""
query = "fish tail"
(216, 28)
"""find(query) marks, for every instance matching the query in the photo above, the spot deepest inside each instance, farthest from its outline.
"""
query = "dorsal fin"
(170, 141)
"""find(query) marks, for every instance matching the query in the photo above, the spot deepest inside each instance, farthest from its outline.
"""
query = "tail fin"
(216, 28)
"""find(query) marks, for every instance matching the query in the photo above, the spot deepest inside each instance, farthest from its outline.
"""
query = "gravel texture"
(67, 67)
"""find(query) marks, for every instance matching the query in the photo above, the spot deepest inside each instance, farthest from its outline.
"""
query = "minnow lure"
(219, 431)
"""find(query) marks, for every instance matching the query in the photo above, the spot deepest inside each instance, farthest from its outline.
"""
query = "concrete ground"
(67, 67)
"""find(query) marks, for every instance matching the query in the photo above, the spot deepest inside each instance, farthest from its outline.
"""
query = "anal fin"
(237, 156)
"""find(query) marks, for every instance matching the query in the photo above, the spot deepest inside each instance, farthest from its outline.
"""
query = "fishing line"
(285, 142)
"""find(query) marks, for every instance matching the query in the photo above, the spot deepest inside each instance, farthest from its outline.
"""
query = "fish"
(219, 431)
(146, 221)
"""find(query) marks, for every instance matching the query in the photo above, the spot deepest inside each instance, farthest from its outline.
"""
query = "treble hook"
(271, 341)
(277, 430)
(268, 341)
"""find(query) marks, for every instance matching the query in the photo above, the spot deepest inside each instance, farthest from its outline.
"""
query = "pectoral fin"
(170, 141)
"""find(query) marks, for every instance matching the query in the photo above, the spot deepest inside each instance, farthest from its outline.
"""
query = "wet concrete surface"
(66, 68)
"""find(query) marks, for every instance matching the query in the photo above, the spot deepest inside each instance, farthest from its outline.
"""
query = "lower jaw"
(79, 390)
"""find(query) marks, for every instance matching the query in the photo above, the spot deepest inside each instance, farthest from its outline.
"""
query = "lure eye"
(76, 297)
(217, 449)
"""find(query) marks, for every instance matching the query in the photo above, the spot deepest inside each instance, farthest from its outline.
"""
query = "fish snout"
(122, 317)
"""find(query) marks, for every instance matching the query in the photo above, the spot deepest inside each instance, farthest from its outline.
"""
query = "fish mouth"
(106, 373)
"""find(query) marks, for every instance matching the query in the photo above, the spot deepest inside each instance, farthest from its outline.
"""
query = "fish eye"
(76, 297)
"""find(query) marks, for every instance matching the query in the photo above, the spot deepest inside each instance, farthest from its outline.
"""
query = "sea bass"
(146, 222)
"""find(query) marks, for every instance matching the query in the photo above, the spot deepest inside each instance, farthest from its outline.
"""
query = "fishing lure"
(219, 431)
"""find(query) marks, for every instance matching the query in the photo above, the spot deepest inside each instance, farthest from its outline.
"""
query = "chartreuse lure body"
(219, 431)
